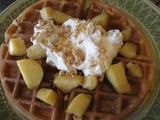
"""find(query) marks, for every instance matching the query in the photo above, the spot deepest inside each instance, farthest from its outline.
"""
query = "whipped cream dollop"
(78, 45)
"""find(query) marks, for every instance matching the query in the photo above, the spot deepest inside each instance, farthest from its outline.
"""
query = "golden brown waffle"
(106, 103)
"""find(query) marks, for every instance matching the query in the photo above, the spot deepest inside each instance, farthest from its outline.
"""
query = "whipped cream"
(78, 45)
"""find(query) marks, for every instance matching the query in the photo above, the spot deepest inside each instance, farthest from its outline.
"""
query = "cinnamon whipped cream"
(78, 45)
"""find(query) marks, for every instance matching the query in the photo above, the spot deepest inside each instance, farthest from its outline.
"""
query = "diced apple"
(128, 50)
(46, 13)
(48, 96)
(17, 47)
(126, 33)
(101, 19)
(79, 105)
(60, 17)
(90, 82)
(31, 71)
(134, 70)
(36, 52)
(117, 77)
(67, 82)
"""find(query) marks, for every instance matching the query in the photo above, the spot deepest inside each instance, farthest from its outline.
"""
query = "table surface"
(5, 3)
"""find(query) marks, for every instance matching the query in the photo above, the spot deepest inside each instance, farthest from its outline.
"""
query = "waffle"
(106, 103)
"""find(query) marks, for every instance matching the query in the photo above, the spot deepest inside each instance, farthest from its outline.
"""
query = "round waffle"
(106, 103)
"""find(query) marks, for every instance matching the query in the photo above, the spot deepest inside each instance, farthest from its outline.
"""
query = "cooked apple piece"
(117, 77)
(79, 105)
(90, 82)
(31, 71)
(128, 50)
(67, 82)
(134, 70)
(36, 52)
(17, 47)
(126, 33)
(60, 17)
(46, 13)
(48, 96)
(101, 19)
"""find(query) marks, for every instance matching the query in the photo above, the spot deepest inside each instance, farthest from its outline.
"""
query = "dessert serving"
(63, 61)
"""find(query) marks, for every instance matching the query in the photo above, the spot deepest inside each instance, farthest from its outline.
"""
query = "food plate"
(143, 12)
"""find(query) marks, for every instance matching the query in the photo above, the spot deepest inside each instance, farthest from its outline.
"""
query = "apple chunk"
(79, 105)
(36, 52)
(60, 17)
(126, 33)
(135, 70)
(128, 50)
(117, 77)
(67, 82)
(101, 19)
(90, 82)
(31, 71)
(17, 47)
(46, 13)
(49, 96)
